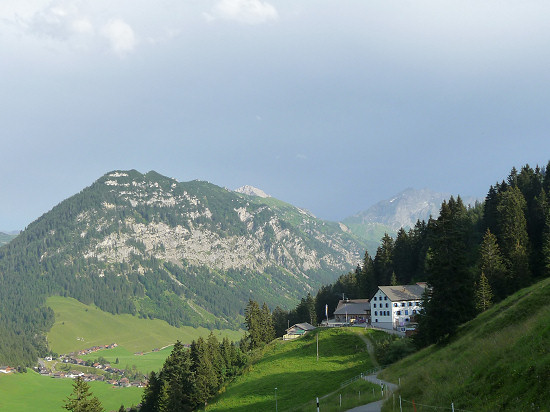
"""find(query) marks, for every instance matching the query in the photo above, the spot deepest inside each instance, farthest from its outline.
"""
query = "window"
(398, 312)
(375, 306)
(376, 320)
(410, 303)
(375, 313)
(407, 320)
(403, 304)
(385, 298)
(375, 298)
(386, 305)
(406, 312)
(395, 305)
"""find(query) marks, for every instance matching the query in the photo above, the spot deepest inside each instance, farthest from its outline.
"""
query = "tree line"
(470, 256)
(190, 377)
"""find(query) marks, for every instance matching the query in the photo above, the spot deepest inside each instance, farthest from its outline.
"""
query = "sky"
(329, 105)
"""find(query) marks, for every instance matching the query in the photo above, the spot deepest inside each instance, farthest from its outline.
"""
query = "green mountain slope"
(292, 367)
(500, 361)
(189, 253)
(78, 326)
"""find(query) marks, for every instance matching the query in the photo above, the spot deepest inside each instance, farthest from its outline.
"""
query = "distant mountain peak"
(252, 191)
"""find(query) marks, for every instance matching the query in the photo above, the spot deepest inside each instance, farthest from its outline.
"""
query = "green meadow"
(151, 361)
(499, 361)
(292, 367)
(23, 392)
(78, 326)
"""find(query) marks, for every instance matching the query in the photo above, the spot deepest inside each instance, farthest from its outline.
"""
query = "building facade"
(394, 307)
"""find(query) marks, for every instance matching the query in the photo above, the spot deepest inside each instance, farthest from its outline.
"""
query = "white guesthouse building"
(393, 307)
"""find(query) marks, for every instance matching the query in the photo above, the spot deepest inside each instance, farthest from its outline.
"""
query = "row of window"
(382, 313)
(387, 312)
(396, 305)
(381, 305)
(385, 298)
(405, 304)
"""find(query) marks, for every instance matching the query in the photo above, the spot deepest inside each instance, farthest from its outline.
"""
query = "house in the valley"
(6, 369)
(394, 307)
(297, 330)
(353, 311)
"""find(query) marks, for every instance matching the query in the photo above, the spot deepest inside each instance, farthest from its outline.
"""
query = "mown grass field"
(78, 326)
(500, 361)
(293, 369)
(24, 392)
(145, 363)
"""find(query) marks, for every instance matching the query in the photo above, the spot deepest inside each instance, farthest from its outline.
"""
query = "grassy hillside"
(78, 326)
(293, 369)
(23, 392)
(498, 361)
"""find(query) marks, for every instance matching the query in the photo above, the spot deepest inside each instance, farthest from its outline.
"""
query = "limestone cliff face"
(260, 237)
(193, 240)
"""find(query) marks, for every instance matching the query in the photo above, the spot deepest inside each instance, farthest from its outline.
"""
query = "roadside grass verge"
(293, 369)
(358, 393)
(498, 361)
(23, 392)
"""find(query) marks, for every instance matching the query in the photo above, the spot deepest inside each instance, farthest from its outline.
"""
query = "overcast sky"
(329, 105)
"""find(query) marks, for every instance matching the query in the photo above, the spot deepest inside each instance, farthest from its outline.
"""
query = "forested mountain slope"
(189, 253)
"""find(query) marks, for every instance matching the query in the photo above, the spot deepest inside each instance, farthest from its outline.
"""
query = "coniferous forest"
(470, 255)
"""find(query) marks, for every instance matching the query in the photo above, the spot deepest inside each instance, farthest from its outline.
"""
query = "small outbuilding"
(297, 330)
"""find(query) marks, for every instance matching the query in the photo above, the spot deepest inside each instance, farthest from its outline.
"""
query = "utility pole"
(317, 346)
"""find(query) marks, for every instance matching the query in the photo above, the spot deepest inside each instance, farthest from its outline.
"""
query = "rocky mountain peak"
(252, 191)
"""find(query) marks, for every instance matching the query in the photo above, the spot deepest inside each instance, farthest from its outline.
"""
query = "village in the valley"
(71, 366)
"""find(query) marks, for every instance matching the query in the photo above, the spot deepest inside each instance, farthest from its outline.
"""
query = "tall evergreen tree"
(492, 265)
(268, 331)
(451, 298)
(383, 261)
(484, 296)
(545, 247)
(404, 257)
(513, 236)
(366, 282)
(490, 209)
(81, 399)
(280, 320)
(253, 321)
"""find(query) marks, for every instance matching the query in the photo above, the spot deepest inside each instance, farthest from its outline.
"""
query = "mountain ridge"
(402, 210)
(191, 253)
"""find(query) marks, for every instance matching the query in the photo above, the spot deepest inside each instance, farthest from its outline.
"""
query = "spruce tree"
(484, 296)
(367, 283)
(545, 249)
(451, 298)
(253, 321)
(383, 261)
(268, 332)
(492, 265)
(513, 236)
(81, 399)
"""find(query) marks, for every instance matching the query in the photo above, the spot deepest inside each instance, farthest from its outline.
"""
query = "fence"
(369, 372)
